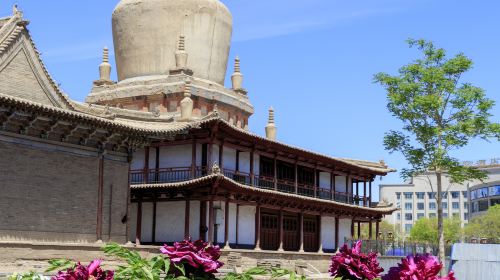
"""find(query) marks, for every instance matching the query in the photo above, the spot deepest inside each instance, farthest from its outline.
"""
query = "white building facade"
(416, 199)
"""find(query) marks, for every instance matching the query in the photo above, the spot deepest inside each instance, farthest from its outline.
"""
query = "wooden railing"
(181, 174)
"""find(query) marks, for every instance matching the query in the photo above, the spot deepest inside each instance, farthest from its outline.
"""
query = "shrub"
(352, 264)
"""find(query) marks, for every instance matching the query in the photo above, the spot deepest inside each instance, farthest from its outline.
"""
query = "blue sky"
(312, 60)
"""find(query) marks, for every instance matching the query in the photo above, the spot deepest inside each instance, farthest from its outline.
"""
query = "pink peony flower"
(419, 267)
(352, 264)
(91, 272)
(197, 257)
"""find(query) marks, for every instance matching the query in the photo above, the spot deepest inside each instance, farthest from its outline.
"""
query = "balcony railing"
(181, 174)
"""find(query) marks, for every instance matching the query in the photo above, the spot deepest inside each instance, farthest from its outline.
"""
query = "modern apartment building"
(416, 199)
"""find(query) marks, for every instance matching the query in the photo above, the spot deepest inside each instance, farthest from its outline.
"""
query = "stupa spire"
(271, 126)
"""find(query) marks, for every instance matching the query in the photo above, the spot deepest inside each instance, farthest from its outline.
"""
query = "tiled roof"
(212, 178)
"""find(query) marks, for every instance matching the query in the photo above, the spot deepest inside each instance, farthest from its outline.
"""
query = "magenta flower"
(91, 272)
(420, 267)
(198, 258)
(351, 264)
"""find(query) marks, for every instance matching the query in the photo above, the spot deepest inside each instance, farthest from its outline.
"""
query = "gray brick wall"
(50, 195)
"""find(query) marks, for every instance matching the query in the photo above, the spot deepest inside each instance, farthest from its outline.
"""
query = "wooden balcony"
(181, 174)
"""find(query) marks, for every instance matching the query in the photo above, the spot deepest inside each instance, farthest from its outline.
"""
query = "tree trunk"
(439, 200)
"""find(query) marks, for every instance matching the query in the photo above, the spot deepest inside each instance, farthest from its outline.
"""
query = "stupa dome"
(146, 35)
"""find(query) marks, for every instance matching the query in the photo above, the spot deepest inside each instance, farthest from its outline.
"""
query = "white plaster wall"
(328, 232)
(147, 222)
(175, 156)
(229, 158)
(324, 180)
(137, 160)
(232, 223)
(256, 164)
(170, 221)
(344, 230)
(219, 208)
(132, 220)
(246, 226)
(340, 183)
(245, 162)
(194, 219)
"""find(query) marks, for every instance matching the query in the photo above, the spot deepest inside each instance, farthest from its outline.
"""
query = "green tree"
(440, 114)
(486, 225)
(425, 230)
(384, 228)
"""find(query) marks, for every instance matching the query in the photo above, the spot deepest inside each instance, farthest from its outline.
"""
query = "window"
(445, 205)
(398, 195)
(420, 195)
(464, 193)
(494, 202)
(432, 205)
(444, 195)
(475, 207)
(420, 216)
(432, 215)
(466, 216)
(408, 227)
(408, 206)
(455, 194)
(408, 217)
(483, 205)
(398, 216)
(420, 206)
(408, 195)
(431, 195)
(466, 206)
(455, 205)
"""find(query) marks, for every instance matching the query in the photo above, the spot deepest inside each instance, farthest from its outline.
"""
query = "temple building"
(165, 152)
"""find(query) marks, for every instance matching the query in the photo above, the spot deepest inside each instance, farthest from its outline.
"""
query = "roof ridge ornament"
(104, 69)
(187, 103)
(237, 77)
(16, 11)
(271, 126)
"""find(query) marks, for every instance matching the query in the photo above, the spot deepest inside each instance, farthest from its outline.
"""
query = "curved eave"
(237, 187)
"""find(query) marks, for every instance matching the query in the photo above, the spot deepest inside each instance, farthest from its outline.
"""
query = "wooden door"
(269, 231)
(311, 234)
(291, 234)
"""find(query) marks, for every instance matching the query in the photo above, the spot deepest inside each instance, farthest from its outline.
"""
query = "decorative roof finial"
(237, 68)
(187, 103)
(182, 43)
(216, 108)
(237, 77)
(271, 127)
(104, 69)
(16, 11)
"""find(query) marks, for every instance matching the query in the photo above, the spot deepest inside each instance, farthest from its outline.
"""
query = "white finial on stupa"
(105, 67)
(237, 77)
(181, 56)
(271, 127)
(187, 103)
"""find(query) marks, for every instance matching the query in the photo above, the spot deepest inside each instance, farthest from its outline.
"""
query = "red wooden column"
(337, 221)
(334, 186)
(320, 247)
(252, 171)
(257, 227)
(301, 231)
(146, 165)
(347, 188)
(370, 197)
(281, 230)
(210, 149)
(211, 221)
(296, 183)
(193, 160)
(226, 225)
(357, 189)
(377, 229)
(186, 218)
(359, 230)
(352, 229)
(138, 228)
(203, 220)
(221, 155)
(370, 233)
(275, 173)
(364, 192)
(315, 182)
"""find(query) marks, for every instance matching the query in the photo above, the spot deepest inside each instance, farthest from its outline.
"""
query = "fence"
(398, 248)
